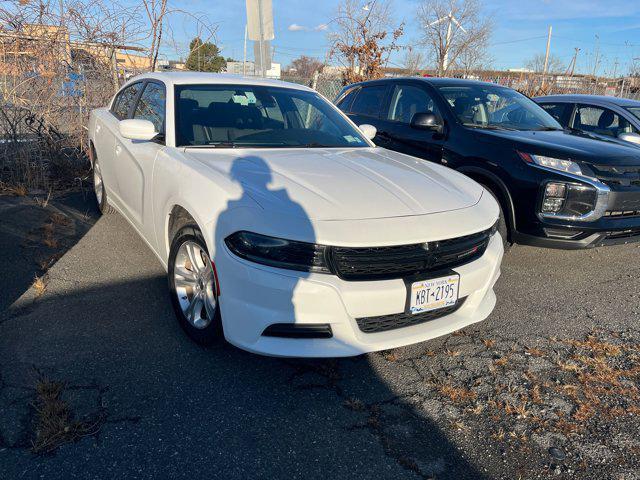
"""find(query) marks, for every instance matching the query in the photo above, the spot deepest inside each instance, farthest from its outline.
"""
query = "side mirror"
(369, 131)
(137, 129)
(630, 137)
(427, 121)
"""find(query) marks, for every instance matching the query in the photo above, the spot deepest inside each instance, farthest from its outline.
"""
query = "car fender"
(479, 174)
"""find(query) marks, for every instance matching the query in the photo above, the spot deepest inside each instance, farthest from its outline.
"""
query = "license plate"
(435, 293)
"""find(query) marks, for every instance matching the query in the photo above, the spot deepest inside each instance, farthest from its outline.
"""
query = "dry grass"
(48, 235)
(535, 352)
(60, 219)
(596, 347)
(489, 343)
(453, 353)
(519, 410)
(39, 284)
(457, 394)
(501, 362)
(354, 404)
(390, 356)
(15, 190)
(55, 424)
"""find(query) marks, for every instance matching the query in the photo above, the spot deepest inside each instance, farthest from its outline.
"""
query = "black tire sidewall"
(503, 228)
(103, 206)
(212, 332)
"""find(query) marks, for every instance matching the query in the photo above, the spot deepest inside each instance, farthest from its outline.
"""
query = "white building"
(236, 68)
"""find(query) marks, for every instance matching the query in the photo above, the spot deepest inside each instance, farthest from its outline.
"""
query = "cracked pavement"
(546, 387)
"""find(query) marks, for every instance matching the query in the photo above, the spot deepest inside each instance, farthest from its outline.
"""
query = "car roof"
(601, 99)
(435, 81)
(206, 78)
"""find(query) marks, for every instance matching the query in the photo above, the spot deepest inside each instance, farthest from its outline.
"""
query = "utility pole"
(244, 61)
(572, 65)
(595, 65)
(546, 57)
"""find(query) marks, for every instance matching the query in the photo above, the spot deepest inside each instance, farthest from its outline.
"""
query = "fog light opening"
(568, 200)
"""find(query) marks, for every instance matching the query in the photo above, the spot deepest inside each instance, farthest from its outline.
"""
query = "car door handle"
(98, 127)
(118, 149)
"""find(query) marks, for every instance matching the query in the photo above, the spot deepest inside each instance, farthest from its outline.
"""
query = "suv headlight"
(559, 164)
(278, 252)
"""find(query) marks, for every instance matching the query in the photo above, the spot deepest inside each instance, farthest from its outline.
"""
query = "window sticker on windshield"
(351, 139)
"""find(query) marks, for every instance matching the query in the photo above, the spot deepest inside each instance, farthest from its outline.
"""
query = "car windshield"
(227, 116)
(495, 107)
(635, 111)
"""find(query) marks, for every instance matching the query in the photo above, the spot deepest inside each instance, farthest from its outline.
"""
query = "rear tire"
(193, 286)
(503, 227)
(99, 189)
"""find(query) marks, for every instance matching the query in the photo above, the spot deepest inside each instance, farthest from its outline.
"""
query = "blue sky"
(520, 29)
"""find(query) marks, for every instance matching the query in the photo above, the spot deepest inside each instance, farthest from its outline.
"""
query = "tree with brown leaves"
(363, 38)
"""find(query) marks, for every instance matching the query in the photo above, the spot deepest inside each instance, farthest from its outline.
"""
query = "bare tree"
(554, 65)
(306, 66)
(452, 29)
(474, 60)
(413, 61)
(363, 37)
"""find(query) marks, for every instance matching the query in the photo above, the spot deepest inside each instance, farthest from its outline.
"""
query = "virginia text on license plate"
(435, 293)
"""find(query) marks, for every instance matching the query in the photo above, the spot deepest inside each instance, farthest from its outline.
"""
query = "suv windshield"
(486, 106)
(259, 117)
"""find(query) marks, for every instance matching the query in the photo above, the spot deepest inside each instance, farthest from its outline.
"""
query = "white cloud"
(294, 27)
(322, 26)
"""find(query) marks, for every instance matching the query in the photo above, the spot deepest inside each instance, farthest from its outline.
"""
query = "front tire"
(194, 287)
(503, 227)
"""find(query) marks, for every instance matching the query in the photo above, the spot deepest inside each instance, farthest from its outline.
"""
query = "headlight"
(554, 163)
(568, 200)
(278, 252)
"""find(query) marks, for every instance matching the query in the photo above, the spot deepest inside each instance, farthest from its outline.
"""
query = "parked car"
(603, 117)
(282, 226)
(555, 189)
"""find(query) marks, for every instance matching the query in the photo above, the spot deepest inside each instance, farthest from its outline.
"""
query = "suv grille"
(625, 176)
(383, 323)
(379, 263)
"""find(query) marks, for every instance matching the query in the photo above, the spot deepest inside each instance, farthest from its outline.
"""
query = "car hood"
(564, 144)
(342, 184)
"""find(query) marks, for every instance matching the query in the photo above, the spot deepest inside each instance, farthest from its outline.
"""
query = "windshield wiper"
(548, 129)
(212, 145)
(488, 127)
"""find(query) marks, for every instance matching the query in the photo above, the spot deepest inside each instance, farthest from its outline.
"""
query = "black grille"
(379, 263)
(384, 323)
(618, 175)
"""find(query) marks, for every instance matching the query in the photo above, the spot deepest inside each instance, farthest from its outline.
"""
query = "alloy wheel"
(195, 284)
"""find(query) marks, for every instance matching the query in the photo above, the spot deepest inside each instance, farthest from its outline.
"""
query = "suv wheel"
(503, 227)
(194, 287)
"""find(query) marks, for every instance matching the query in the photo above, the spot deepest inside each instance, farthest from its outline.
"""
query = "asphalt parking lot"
(547, 386)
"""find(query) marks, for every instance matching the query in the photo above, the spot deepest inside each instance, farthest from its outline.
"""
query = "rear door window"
(600, 120)
(369, 101)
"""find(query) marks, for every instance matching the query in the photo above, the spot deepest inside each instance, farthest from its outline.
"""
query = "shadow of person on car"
(257, 294)
(351, 392)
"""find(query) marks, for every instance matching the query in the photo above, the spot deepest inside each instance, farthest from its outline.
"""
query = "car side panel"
(102, 128)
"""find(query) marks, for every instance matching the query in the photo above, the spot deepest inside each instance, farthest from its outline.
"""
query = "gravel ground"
(546, 387)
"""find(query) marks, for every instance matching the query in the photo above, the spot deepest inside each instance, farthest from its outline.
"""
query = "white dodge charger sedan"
(282, 227)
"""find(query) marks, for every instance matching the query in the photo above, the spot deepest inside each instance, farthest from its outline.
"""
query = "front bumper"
(255, 296)
(615, 220)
